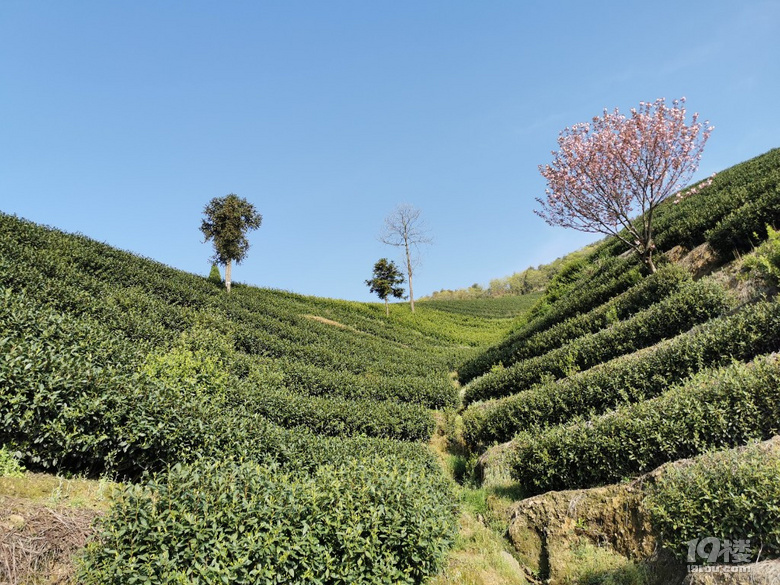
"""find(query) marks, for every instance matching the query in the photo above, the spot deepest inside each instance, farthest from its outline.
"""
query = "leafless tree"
(404, 229)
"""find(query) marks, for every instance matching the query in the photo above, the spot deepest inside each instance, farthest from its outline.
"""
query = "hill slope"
(615, 372)
(264, 435)
(114, 364)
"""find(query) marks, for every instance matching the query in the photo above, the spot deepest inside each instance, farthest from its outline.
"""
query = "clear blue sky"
(121, 120)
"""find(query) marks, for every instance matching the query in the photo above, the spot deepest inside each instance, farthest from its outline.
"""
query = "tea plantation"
(270, 437)
(615, 372)
(263, 436)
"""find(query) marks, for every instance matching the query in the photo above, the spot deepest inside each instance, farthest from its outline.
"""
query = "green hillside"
(267, 437)
(615, 372)
(115, 365)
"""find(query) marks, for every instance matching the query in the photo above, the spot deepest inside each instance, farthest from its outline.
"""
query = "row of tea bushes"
(695, 302)
(655, 287)
(361, 522)
(77, 398)
(333, 416)
(745, 227)
(713, 410)
(752, 331)
(149, 303)
(594, 287)
(431, 391)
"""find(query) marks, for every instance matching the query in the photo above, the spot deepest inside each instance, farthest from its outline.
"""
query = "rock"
(702, 260)
(550, 532)
(16, 521)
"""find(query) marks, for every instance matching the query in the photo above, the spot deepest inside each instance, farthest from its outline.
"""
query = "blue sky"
(121, 120)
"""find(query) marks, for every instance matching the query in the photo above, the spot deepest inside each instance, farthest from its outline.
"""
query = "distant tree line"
(520, 283)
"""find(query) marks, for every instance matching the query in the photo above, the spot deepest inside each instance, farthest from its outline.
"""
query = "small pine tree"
(215, 276)
(385, 283)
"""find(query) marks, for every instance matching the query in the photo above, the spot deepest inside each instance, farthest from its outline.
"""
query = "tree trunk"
(409, 272)
(227, 275)
(648, 258)
(387, 308)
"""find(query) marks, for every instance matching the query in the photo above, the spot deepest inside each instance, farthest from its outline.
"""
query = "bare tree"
(404, 229)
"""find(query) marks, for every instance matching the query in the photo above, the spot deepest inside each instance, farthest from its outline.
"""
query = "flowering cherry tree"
(616, 168)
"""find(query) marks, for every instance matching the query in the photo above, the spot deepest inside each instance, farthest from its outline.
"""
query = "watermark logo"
(721, 556)
(714, 550)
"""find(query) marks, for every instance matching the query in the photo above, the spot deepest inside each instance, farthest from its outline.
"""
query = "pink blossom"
(607, 172)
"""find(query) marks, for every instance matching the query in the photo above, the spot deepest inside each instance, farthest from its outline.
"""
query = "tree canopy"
(226, 222)
(615, 168)
(386, 281)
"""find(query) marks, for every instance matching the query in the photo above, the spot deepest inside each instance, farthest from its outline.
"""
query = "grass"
(57, 491)
(481, 555)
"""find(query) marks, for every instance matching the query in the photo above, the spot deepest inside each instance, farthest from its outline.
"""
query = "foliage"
(386, 281)
(764, 263)
(9, 465)
(747, 226)
(726, 495)
(652, 289)
(718, 408)
(607, 172)
(583, 285)
(214, 275)
(237, 522)
(694, 303)
(506, 307)
(754, 330)
(226, 222)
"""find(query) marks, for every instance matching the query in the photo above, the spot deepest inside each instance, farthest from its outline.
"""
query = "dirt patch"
(37, 542)
(700, 261)
(329, 322)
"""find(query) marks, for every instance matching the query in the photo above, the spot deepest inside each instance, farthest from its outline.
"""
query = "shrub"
(604, 280)
(214, 275)
(727, 495)
(383, 521)
(715, 409)
(764, 263)
(650, 290)
(754, 330)
(747, 226)
(9, 464)
(77, 398)
(694, 303)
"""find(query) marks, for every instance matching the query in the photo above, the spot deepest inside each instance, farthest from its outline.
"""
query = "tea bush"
(726, 495)
(9, 465)
(383, 521)
(753, 330)
(714, 410)
(650, 290)
(74, 397)
(604, 279)
(747, 226)
(694, 303)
